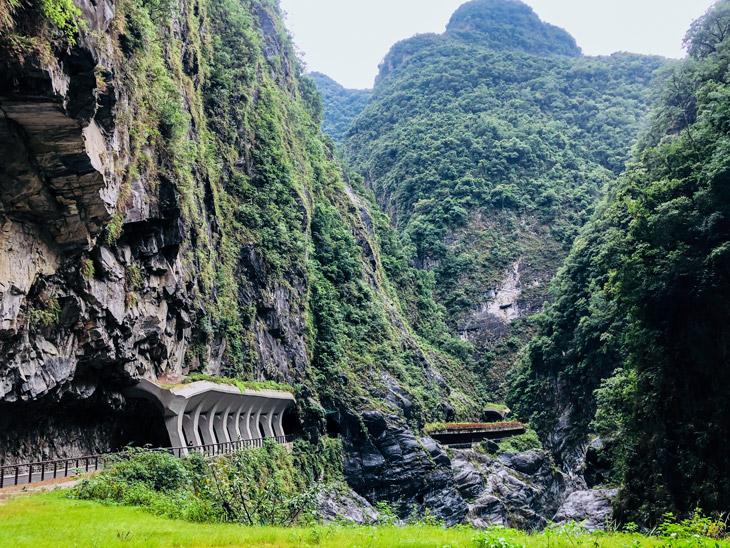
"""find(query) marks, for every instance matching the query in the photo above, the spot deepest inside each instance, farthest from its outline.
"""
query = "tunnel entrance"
(205, 413)
(142, 425)
(291, 423)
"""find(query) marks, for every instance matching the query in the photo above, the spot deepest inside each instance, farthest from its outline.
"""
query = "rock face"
(341, 504)
(97, 285)
(523, 490)
(412, 474)
(592, 508)
(148, 229)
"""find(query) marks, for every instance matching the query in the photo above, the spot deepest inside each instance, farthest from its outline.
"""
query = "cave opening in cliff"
(333, 425)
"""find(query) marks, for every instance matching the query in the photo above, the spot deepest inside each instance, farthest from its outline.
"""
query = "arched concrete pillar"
(216, 421)
(189, 429)
(247, 419)
(269, 407)
(201, 421)
(243, 423)
(278, 419)
(174, 426)
(231, 420)
(234, 428)
(255, 418)
(223, 419)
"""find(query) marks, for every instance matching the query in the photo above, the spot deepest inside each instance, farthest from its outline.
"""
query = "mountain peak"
(509, 24)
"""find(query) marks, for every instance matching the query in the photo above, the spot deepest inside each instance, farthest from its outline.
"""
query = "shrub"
(87, 268)
(157, 470)
(696, 525)
(46, 315)
(64, 15)
(265, 486)
(518, 444)
(134, 277)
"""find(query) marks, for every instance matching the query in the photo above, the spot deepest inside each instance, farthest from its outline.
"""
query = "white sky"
(347, 39)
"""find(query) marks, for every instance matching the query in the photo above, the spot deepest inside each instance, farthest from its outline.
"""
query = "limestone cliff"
(168, 206)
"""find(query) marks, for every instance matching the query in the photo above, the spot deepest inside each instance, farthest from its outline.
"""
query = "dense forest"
(488, 146)
(634, 345)
(341, 105)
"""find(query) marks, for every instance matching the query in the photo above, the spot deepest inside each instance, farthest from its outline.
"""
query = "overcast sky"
(347, 39)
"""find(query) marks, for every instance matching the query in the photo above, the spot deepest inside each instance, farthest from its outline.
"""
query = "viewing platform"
(468, 433)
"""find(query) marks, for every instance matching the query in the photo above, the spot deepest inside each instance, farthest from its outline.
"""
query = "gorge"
(502, 228)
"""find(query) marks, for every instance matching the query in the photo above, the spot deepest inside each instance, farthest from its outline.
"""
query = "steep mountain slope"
(169, 206)
(341, 105)
(634, 347)
(488, 146)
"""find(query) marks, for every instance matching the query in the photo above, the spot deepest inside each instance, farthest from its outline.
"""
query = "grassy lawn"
(54, 520)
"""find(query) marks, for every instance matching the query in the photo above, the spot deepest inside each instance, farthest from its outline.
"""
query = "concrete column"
(243, 422)
(269, 408)
(255, 417)
(206, 428)
(174, 426)
(201, 422)
(191, 432)
(246, 418)
(217, 421)
(278, 419)
(234, 428)
(230, 422)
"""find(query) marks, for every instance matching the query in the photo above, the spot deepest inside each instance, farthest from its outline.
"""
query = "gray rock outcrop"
(513, 490)
(340, 504)
(591, 508)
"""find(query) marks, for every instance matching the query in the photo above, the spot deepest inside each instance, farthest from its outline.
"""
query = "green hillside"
(634, 346)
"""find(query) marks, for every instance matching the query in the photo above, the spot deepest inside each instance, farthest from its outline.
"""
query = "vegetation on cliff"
(634, 345)
(284, 269)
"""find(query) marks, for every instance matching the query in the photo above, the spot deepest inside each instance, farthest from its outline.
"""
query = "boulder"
(338, 503)
(591, 508)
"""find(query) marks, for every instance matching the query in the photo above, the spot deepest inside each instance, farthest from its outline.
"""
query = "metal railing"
(225, 448)
(27, 473)
(12, 475)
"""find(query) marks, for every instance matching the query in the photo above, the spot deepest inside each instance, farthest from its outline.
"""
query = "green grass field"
(54, 520)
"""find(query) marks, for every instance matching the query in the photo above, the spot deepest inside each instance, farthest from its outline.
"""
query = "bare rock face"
(591, 508)
(339, 503)
(59, 172)
(522, 490)
(502, 305)
(412, 474)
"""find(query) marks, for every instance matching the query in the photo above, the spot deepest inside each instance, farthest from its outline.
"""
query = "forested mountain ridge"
(509, 25)
(633, 352)
(341, 105)
(488, 147)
